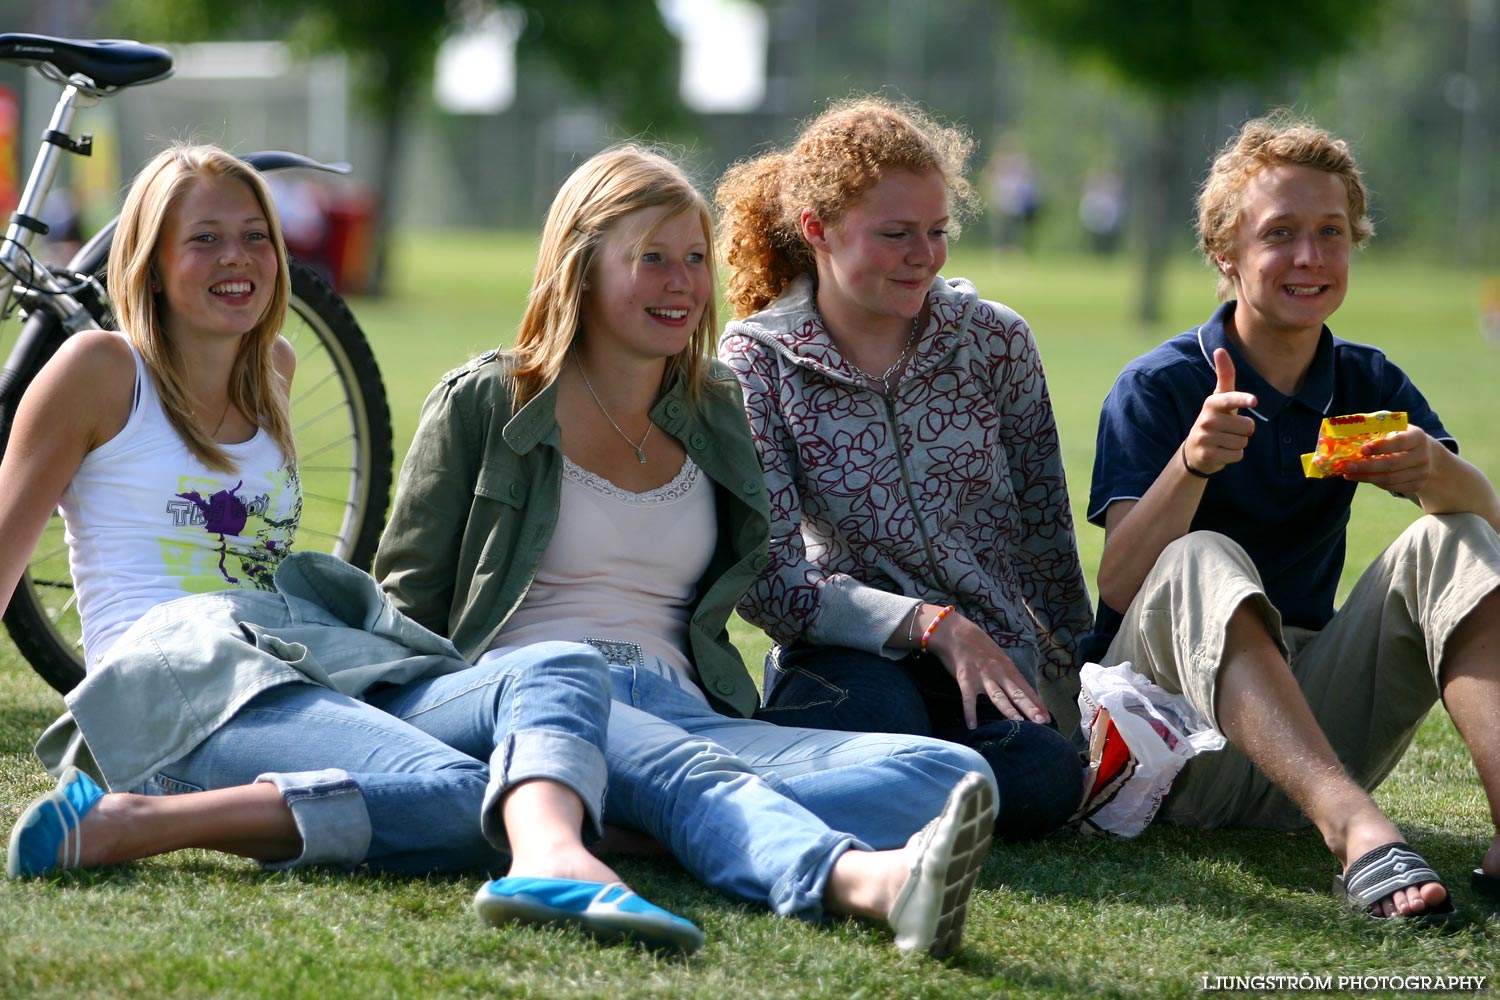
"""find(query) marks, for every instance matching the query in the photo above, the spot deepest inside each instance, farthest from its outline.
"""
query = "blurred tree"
(1178, 52)
(617, 52)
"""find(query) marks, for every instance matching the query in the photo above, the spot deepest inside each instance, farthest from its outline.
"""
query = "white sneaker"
(930, 909)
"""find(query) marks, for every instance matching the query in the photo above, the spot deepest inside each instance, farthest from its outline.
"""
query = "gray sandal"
(1376, 874)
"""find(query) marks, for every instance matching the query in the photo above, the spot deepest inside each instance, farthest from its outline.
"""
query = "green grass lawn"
(1148, 917)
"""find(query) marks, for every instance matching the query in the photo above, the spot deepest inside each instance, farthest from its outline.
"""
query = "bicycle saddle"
(108, 63)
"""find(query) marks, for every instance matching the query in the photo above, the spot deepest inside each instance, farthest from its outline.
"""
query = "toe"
(1412, 901)
(1432, 895)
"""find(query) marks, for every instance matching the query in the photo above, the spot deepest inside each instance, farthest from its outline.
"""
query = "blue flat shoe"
(610, 912)
(48, 829)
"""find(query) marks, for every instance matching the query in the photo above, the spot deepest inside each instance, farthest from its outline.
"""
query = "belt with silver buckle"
(619, 652)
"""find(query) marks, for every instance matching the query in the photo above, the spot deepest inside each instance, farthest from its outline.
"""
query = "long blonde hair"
(255, 388)
(595, 197)
(838, 156)
(1275, 140)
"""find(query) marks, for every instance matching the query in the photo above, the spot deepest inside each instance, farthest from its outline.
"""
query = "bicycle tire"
(345, 466)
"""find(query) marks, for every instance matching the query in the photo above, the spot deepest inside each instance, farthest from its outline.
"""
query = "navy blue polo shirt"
(1292, 527)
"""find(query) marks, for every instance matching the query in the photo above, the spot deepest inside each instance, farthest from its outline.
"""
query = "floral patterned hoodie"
(951, 491)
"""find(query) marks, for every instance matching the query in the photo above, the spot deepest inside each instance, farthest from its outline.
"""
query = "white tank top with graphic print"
(146, 522)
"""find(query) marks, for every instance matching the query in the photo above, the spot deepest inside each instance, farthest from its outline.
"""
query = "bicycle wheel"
(343, 431)
(342, 424)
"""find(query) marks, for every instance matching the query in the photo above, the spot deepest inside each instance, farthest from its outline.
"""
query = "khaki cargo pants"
(1370, 675)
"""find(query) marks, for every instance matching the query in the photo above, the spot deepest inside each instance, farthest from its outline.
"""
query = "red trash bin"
(351, 228)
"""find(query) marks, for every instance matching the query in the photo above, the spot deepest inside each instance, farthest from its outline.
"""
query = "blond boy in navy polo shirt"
(1224, 558)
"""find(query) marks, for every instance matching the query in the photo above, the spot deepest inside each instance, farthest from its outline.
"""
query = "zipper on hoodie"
(906, 483)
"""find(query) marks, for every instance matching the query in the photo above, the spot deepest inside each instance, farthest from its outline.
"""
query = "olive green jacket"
(478, 499)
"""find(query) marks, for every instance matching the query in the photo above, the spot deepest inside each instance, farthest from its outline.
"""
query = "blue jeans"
(534, 712)
(1037, 770)
(367, 787)
(758, 811)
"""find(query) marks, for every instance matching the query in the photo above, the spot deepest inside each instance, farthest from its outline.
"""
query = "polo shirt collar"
(1317, 389)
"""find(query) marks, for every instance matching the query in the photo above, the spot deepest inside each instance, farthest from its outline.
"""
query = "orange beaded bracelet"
(932, 625)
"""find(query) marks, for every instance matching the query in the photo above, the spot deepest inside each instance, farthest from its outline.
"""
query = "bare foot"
(545, 818)
(103, 831)
(1491, 862)
(866, 883)
(572, 861)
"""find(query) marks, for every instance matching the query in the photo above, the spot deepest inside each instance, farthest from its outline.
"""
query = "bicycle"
(339, 410)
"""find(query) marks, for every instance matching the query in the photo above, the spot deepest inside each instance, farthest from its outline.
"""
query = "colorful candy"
(1340, 440)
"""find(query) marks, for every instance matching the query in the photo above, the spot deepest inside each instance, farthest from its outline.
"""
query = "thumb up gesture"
(1219, 435)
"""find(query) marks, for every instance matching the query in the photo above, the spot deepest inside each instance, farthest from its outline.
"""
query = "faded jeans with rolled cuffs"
(758, 811)
(367, 786)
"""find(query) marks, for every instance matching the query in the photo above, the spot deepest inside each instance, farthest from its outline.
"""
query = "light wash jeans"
(759, 811)
(366, 787)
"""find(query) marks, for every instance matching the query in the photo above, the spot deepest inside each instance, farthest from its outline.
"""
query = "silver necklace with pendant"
(640, 449)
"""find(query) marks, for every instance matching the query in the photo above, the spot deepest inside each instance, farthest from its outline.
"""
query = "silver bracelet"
(911, 628)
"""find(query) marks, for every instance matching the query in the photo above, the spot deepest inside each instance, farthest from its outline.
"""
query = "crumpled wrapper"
(1340, 440)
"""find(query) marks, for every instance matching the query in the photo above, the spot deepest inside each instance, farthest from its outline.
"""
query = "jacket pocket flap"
(502, 484)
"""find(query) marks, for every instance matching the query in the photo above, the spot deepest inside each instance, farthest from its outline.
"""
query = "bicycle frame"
(24, 282)
(38, 286)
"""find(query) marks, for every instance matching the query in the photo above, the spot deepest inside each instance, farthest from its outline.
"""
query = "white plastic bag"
(1139, 735)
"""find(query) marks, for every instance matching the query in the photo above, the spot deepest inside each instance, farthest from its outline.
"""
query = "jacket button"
(674, 409)
(698, 441)
(515, 491)
(724, 687)
(761, 561)
(752, 486)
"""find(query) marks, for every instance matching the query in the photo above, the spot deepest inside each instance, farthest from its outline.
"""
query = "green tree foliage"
(1173, 47)
(617, 52)
(1177, 52)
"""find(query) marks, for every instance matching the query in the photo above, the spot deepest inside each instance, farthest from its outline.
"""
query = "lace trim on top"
(676, 489)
